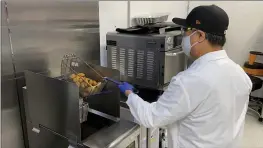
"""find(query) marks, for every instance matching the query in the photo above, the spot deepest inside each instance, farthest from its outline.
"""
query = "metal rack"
(74, 69)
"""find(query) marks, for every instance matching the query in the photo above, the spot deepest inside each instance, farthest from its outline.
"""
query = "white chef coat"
(203, 106)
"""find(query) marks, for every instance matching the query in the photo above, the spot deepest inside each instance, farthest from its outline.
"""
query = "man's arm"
(173, 105)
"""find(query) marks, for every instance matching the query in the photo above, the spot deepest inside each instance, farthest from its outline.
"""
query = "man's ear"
(202, 35)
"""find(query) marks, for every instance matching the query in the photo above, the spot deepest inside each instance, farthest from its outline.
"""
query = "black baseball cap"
(210, 19)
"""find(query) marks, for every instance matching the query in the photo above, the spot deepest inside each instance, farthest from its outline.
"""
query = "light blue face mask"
(186, 44)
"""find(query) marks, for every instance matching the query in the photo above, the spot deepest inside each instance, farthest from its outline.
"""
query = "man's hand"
(126, 88)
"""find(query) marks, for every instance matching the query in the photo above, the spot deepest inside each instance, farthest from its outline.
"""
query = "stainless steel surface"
(83, 110)
(125, 114)
(6, 61)
(104, 115)
(108, 101)
(132, 141)
(11, 128)
(45, 138)
(144, 139)
(149, 138)
(153, 137)
(43, 31)
(145, 60)
(111, 137)
(53, 104)
(174, 62)
(11, 132)
(25, 99)
(163, 138)
(7, 71)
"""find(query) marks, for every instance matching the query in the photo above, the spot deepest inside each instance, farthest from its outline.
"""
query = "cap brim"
(180, 21)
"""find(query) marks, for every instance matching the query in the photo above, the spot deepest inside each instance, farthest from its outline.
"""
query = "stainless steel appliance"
(42, 32)
(148, 61)
(54, 118)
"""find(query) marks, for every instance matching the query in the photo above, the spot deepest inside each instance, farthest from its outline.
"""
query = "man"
(205, 105)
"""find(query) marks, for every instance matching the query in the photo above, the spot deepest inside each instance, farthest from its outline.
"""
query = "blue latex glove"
(125, 86)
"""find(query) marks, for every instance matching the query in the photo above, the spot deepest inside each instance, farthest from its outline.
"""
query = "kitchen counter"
(117, 135)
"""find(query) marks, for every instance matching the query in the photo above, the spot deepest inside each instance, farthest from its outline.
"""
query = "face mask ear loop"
(192, 33)
(202, 41)
(196, 42)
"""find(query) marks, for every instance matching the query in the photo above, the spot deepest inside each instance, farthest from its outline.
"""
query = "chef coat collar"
(212, 56)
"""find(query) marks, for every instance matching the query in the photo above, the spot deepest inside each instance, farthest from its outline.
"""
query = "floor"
(253, 134)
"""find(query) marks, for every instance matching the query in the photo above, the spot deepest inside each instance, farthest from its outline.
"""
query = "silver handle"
(173, 54)
(36, 130)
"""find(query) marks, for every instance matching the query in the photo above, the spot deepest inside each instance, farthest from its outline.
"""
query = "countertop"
(110, 137)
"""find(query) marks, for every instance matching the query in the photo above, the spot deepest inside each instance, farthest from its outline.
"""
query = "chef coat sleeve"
(174, 104)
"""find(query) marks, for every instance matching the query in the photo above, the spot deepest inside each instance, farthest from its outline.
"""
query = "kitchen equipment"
(159, 28)
(73, 65)
(148, 61)
(56, 113)
(142, 20)
(128, 139)
(114, 81)
(83, 110)
(118, 83)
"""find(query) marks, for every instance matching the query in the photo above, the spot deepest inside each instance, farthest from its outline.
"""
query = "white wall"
(245, 26)
(112, 14)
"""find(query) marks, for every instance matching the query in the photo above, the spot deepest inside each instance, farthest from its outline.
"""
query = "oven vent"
(114, 57)
(140, 64)
(150, 65)
(131, 54)
(122, 61)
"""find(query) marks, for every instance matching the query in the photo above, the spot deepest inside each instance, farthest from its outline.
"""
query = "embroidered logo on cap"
(197, 22)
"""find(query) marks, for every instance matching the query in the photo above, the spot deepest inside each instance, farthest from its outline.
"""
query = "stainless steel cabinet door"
(45, 139)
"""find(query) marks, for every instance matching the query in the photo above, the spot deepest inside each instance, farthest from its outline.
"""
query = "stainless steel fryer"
(55, 105)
